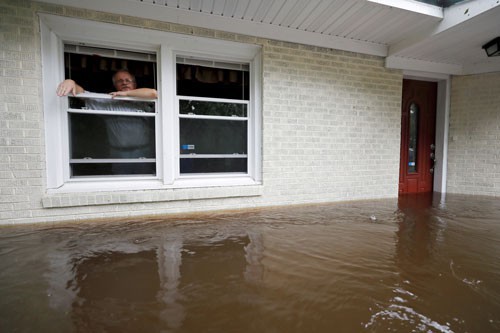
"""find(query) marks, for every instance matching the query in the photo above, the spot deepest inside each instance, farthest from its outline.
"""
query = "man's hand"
(68, 87)
(118, 93)
(140, 93)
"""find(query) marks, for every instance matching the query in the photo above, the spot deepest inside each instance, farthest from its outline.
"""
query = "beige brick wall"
(22, 162)
(474, 140)
(331, 128)
(331, 125)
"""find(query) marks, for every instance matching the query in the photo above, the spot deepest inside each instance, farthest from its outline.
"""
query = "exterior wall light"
(492, 48)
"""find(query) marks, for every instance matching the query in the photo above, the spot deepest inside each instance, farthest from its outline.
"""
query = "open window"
(203, 130)
(110, 136)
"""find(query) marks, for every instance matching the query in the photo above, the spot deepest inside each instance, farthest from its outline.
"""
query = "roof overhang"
(411, 35)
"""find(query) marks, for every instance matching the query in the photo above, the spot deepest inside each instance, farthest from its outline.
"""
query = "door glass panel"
(413, 138)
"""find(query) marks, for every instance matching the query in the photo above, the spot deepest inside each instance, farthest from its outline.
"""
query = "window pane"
(413, 138)
(201, 136)
(108, 136)
(211, 165)
(111, 137)
(212, 108)
(200, 81)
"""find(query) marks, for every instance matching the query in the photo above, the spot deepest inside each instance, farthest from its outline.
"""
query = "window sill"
(76, 199)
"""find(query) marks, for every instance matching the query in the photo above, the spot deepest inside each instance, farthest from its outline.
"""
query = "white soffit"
(412, 35)
(351, 25)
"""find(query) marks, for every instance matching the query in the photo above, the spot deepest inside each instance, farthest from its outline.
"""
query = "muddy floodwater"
(414, 264)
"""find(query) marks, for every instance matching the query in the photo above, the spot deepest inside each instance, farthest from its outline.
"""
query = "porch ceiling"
(411, 35)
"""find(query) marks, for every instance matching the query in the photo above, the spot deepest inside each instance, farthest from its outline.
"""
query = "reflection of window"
(213, 116)
(413, 138)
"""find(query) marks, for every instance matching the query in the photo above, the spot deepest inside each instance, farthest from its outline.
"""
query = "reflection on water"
(418, 264)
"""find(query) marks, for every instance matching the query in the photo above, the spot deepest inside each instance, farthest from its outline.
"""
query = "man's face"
(124, 81)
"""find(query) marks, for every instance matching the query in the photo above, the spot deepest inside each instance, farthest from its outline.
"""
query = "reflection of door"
(418, 127)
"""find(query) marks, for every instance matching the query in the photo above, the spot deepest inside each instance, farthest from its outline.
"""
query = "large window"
(202, 130)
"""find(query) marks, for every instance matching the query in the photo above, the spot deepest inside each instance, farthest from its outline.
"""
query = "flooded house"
(259, 104)
(343, 156)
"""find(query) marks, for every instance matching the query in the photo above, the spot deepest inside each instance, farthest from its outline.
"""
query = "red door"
(418, 127)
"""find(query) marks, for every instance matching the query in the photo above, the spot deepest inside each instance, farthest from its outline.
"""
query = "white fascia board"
(422, 66)
(127, 37)
(221, 23)
(412, 6)
(425, 76)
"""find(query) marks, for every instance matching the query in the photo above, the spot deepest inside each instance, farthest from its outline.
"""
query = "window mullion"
(169, 137)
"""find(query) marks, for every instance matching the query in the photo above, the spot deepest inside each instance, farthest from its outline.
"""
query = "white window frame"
(56, 30)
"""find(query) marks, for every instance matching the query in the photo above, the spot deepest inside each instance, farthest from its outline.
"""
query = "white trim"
(51, 73)
(397, 62)
(212, 99)
(113, 113)
(442, 130)
(213, 156)
(433, 69)
(82, 185)
(170, 123)
(425, 76)
(111, 160)
(254, 113)
(197, 116)
(87, 94)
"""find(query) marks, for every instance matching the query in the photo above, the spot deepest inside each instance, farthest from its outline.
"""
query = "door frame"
(442, 123)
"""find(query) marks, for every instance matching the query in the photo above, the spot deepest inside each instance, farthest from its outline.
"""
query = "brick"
(474, 136)
(48, 8)
(311, 129)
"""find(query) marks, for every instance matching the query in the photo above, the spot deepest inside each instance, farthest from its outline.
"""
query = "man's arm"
(69, 87)
(141, 93)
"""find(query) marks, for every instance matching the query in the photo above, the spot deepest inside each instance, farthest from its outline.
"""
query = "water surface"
(417, 264)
